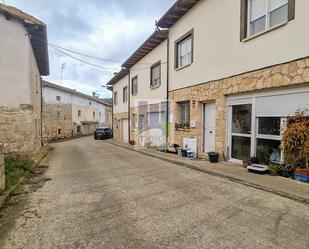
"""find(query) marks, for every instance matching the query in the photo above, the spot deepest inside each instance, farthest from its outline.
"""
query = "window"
(184, 51)
(58, 114)
(134, 86)
(268, 139)
(59, 131)
(115, 98)
(265, 14)
(79, 113)
(78, 129)
(155, 75)
(58, 98)
(184, 114)
(125, 94)
(100, 114)
(93, 114)
(90, 103)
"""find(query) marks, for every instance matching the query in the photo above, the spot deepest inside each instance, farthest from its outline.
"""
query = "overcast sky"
(110, 29)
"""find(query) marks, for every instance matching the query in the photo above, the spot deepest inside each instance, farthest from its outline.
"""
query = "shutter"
(291, 11)
(243, 19)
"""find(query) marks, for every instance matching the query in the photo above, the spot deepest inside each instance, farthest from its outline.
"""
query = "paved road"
(102, 196)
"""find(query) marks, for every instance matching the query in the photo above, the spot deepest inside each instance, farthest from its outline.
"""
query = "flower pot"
(245, 164)
(213, 157)
(301, 171)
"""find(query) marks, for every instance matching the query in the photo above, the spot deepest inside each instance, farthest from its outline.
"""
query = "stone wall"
(20, 130)
(2, 169)
(118, 126)
(57, 121)
(284, 75)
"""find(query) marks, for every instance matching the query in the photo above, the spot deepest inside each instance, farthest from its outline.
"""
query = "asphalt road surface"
(97, 195)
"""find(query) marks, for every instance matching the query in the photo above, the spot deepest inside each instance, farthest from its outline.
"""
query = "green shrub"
(15, 169)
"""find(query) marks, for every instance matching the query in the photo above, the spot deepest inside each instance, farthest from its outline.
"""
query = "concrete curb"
(6, 194)
(230, 178)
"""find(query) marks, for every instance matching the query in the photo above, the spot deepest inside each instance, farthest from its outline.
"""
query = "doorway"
(209, 126)
(125, 130)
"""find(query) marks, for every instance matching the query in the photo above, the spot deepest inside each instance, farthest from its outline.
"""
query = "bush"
(15, 169)
(295, 142)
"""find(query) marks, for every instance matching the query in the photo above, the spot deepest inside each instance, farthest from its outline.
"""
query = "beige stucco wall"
(20, 102)
(118, 87)
(218, 51)
(142, 71)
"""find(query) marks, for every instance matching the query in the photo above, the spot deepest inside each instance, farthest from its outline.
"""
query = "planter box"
(300, 177)
(258, 169)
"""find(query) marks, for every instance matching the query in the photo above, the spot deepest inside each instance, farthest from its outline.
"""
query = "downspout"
(167, 89)
(42, 142)
(129, 111)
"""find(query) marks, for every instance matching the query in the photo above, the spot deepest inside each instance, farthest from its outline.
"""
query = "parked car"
(103, 133)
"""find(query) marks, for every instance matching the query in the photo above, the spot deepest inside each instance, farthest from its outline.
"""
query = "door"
(209, 127)
(125, 130)
(240, 131)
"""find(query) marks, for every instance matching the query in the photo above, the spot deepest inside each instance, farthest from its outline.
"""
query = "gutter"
(167, 90)
(129, 111)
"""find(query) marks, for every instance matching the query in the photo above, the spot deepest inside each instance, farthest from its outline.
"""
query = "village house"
(68, 113)
(236, 70)
(23, 60)
(144, 93)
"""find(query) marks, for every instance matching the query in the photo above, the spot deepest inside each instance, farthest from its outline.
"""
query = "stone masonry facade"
(57, 122)
(118, 126)
(20, 130)
(275, 77)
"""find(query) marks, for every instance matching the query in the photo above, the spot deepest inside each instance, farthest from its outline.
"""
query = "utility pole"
(62, 68)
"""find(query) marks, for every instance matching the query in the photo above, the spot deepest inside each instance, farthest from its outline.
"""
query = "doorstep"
(285, 187)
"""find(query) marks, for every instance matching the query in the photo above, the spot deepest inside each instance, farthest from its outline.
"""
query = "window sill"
(182, 129)
(179, 68)
(265, 31)
(155, 87)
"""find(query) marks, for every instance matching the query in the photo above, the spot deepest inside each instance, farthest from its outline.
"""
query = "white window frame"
(155, 82)
(178, 44)
(134, 85)
(125, 94)
(115, 98)
(267, 17)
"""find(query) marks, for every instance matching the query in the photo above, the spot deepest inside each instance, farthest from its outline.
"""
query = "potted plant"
(273, 169)
(245, 163)
(132, 142)
(295, 144)
(213, 157)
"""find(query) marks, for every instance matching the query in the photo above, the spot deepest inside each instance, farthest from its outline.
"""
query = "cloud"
(103, 28)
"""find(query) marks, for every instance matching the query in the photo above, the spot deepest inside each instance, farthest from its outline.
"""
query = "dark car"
(103, 133)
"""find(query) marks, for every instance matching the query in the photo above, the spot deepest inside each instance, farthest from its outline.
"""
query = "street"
(103, 196)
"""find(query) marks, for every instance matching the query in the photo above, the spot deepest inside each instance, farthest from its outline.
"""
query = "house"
(68, 113)
(23, 60)
(236, 70)
(144, 93)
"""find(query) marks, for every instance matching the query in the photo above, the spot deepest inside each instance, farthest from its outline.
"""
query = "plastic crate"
(300, 177)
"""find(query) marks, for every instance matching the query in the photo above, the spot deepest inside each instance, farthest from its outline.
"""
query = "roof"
(37, 34)
(177, 11)
(109, 101)
(123, 73)
(152, 42)
(74, 92)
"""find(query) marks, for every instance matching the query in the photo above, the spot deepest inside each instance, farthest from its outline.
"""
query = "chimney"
(94, 95)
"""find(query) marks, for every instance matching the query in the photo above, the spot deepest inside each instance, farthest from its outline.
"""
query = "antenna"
(62, 68)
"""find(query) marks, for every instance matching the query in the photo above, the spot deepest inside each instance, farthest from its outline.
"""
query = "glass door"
(241, 131)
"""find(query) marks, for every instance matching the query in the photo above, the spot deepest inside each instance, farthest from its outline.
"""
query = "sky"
(110, 29)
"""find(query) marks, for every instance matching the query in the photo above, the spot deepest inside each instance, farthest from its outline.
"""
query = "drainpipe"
(167, 89)
(129, 111)
(42, 142)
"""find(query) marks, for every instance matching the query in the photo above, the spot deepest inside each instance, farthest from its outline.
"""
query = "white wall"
(78, 103)
(218, 51)
(142, 71)
(118, 87)
(18, 68)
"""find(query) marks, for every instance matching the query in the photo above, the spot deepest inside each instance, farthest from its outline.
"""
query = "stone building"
(23, 60)
(68, 113)
(236, 71)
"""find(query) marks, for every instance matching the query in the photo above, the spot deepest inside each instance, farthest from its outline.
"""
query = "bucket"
(190, 154)
(213, 157)
(179, 152)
